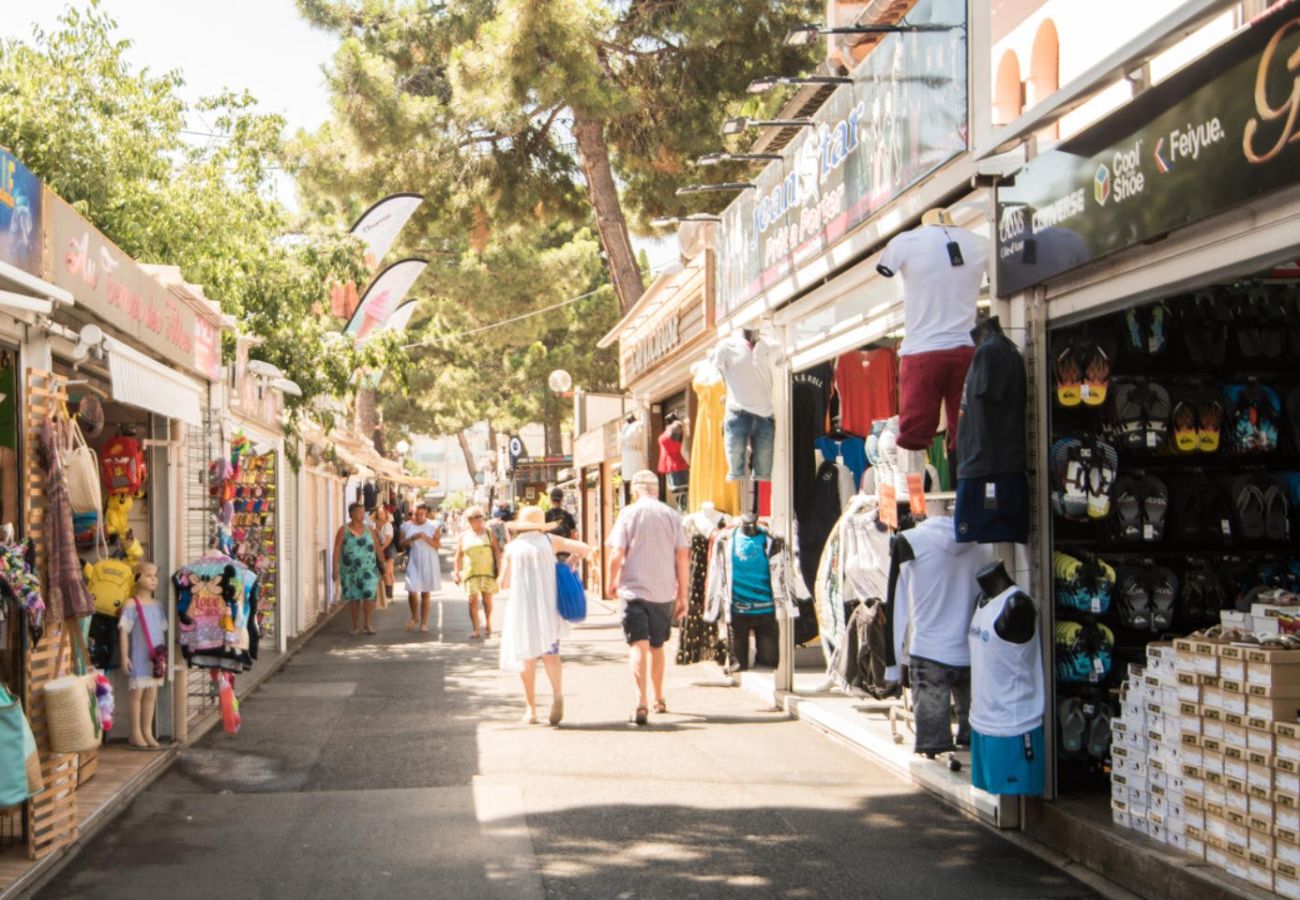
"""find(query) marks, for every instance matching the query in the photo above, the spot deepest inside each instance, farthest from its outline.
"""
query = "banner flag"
(382, 298)
(377, 229)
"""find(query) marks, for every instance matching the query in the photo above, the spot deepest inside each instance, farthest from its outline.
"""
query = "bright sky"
(263, 46)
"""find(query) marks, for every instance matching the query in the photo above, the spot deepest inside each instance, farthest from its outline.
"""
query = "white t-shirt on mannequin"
(748, 372)
(631, 441)
(938, 297)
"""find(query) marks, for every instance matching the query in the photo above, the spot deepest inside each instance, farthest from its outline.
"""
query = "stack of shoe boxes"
(1207, 757)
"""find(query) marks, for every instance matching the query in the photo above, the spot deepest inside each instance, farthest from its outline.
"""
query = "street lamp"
(759, 85)
(712, 159)
(559, 381)
(803, 35)
(740, 123)
(706, 188)
(402, 447)
(665, 221)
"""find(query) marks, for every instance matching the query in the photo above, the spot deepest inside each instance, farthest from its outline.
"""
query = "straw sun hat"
(531, 518)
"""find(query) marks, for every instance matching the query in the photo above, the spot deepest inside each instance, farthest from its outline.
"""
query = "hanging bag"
(570, 597)
(81, 467)
(71, 707)
(20, 763)
(157, 652)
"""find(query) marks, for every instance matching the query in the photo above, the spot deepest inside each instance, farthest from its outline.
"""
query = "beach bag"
(81, 468)
(71, 707)
(20, 763)
(570, 596)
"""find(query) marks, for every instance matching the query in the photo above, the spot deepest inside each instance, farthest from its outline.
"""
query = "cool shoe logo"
(1101, 185)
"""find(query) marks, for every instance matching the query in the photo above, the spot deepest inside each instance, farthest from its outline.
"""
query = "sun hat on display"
(531, 518)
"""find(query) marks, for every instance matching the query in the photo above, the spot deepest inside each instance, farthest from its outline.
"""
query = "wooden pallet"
(52, 814)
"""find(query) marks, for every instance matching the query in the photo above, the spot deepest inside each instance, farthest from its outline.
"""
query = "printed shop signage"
(1221, 131)
(111, 285)
(663, 340)
(20, 215)
(903, 116)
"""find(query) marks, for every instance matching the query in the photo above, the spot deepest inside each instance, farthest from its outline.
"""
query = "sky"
(263, 46)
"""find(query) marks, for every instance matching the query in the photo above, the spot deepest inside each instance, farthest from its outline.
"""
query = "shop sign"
(1221, 131)
(663, 340)
(20, 215)
(113, 287)
(903, 116)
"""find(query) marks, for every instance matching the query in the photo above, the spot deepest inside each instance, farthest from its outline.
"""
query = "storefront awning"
(143, 382)
(27, 293)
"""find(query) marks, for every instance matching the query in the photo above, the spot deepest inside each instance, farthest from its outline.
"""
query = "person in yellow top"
(478, 559)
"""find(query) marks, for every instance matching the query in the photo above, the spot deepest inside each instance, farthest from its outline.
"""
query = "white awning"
(143, 382)
(31, 285)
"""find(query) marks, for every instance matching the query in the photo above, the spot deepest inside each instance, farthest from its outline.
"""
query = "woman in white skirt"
(422, 539)
(532, 626)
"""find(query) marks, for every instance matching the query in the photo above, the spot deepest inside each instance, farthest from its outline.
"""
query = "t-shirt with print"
(751, 578)
(938, 297)
(991, 432)
(649, 533)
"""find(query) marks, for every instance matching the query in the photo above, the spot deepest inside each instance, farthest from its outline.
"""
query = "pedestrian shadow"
(629, 726)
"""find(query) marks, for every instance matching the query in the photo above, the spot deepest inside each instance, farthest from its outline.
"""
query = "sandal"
(661, 706)
(641, 715)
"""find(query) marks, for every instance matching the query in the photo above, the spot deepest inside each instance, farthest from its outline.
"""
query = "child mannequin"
(137, 660)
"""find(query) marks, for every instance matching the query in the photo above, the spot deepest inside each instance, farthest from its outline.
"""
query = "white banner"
(383, 297)
(379, 225)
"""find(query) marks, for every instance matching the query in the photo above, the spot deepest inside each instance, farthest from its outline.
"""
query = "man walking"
(648, 568)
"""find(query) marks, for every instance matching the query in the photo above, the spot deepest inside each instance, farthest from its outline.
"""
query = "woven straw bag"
(81, 470)
(71, 710)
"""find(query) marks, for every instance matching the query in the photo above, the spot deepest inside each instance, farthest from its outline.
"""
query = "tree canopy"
(111, 139)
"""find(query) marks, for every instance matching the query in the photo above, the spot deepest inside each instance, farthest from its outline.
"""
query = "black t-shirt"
(567, 525)
(810, 393)
(991, 433)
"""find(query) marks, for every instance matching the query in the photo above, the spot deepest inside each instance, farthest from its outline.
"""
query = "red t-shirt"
(866, 383)
(670, 455)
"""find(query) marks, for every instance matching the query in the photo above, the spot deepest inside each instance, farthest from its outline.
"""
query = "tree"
(516, 87)
(109, 139)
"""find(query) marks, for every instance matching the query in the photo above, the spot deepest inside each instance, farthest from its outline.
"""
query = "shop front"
(596, 467)
(1155, 255)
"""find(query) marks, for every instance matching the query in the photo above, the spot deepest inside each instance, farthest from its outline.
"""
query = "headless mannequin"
(749, 524)
(142, 701)
(765, 634)
(1018, 621)
(707, 518)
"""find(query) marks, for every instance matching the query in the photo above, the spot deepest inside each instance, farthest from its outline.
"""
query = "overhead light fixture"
(264, 368)
(740, 123)
(712, 159)
(665, 221)
(803, 35)
(759, 85)
(287, 386)
(708, 188)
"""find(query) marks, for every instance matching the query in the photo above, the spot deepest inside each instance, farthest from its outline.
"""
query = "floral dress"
(358, 567)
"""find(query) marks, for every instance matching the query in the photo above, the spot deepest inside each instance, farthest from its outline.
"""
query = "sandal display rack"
(254, 531)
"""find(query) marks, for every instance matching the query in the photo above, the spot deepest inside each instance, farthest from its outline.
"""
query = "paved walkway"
(395, 766)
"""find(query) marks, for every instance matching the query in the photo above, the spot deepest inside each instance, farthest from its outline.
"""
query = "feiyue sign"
(1223, 130)
(109, 283)
(903, 116)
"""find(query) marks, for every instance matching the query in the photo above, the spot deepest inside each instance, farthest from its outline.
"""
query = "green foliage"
(455, 501)
(109, 139)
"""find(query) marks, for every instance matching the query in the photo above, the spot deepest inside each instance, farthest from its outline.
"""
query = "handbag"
(81, 469)
(20, 762)
(71, 708)
(157, 652)
(570, 597)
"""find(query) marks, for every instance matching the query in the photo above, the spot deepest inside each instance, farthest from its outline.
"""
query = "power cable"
(503, 322)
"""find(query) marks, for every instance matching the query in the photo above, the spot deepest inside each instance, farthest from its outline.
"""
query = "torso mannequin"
(1018, 622)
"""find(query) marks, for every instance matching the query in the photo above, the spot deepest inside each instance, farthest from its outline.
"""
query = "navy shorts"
(643, 621)
(993, 510)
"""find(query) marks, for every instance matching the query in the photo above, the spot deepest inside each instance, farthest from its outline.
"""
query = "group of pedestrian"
(519, 553)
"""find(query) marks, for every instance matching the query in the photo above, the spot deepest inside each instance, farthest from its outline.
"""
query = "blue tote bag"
(570, 596)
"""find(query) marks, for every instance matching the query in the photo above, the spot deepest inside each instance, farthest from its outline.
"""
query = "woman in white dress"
(422, 539)
(532, 626)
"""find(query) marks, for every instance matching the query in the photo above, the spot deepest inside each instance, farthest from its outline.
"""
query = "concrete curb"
(45, 869)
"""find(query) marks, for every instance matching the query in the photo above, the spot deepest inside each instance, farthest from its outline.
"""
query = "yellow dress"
(708, 456)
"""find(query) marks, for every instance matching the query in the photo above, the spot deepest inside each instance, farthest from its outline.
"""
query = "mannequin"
(752, 600)
(1007, 692)
(631, 442)
(935, 598)
(747, 362)
(943, 267)
(141, 614)
(698, 639)
(707, 519)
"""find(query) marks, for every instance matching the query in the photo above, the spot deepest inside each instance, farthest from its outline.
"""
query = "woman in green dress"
(357, 563)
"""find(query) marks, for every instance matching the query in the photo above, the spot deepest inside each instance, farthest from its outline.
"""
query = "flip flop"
(1276, 519)
(1249, 502)
(1155, 411)
(1183, 420)
(1155, 508)
(1099, 732)
(1164, 591)
(1128, 509)
(1134, 601)
(1073, 724)
(1096, 376)
(1069, 377)
(1209, 424)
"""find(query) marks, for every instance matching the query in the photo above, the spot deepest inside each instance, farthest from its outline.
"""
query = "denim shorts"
(741, 431)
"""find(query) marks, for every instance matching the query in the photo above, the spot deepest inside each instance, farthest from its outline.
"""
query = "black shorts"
(644, 621)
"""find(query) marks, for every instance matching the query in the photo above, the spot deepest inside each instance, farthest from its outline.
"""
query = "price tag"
(1152, 439)
(1085, 452)
(991, 495)
(916, 494)
(888, 505)
(1148, 532)
(1226, 527)
(1096, 604)
(1085, 391)
(1099, 671)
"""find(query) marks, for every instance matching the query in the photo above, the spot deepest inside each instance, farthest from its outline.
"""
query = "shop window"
(1008, 90)
(1044, 71)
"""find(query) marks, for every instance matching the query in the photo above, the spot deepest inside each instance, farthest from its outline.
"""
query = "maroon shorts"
(926, 380)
